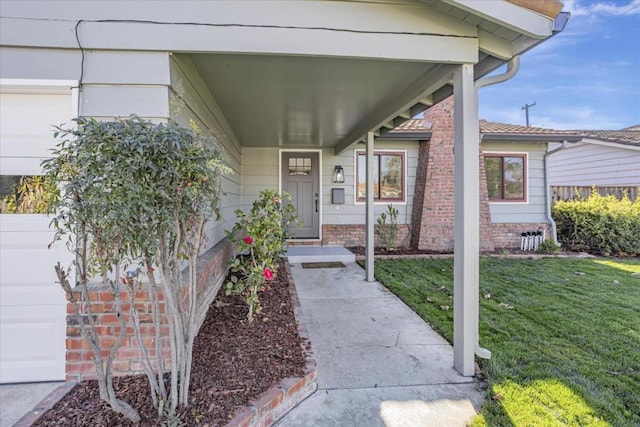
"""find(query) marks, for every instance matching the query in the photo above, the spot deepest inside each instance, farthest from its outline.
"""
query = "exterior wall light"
(338, 175)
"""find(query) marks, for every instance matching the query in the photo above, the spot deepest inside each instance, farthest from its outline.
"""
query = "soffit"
(326, 101)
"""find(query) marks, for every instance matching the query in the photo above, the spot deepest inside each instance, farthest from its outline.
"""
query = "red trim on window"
(379, 154)
(502, 181)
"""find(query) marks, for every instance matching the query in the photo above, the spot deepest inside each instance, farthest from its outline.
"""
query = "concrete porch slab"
(379, 363)
(300, 254)
(412, 406)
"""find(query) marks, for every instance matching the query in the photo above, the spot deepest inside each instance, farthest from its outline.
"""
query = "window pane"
(300, 166)
(493, 168)
(362, 177)
(24, 194)
(391, 181)
(514, 178)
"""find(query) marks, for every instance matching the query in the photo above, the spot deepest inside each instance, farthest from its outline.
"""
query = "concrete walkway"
(18, 399)
(379, 364)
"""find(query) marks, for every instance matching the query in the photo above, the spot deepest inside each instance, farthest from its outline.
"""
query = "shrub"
(136, 197)
(260, 236)
(548, 247)
(599, 224)
(387, 229)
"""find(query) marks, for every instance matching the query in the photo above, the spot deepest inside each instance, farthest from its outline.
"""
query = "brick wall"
(212, 269)
(433, 217)
(507, 235)
(355, 235)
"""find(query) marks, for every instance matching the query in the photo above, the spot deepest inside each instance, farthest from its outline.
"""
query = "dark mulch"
(405, 250)
(233, 362)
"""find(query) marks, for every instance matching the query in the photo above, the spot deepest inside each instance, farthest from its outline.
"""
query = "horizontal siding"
(32, 63)
(534, 211)
(592, 164)
(122, 100)
(192, 102)
(260, 170)
(352, 212)
(100, 66)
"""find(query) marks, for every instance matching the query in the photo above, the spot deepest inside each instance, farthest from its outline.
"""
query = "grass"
(564, 335)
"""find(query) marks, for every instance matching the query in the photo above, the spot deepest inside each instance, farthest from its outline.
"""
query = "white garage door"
(32, 305)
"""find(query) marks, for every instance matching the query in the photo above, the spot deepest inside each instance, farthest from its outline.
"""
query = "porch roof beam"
(429, 82)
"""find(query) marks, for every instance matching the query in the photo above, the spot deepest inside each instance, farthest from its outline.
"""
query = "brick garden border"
(263, 411)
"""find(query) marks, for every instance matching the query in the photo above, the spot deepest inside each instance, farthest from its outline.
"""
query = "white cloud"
(602, 8)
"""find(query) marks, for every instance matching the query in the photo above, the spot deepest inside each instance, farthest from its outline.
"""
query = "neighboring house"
(289, 88)
(605, 159)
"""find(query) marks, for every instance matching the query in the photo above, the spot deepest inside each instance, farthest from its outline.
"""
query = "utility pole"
(526, 109)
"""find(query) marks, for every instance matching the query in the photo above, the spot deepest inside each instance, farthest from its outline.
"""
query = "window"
(388, 176)
(25, 194)
(300, 166)
(506, 177)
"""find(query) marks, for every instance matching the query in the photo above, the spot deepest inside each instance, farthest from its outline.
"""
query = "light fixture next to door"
(338, 175)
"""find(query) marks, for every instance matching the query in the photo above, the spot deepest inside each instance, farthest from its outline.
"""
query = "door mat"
(336, 264)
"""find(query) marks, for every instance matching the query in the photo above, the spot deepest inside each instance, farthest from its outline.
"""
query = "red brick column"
(433, 217)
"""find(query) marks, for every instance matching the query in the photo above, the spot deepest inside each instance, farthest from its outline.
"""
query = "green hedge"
(599, 224)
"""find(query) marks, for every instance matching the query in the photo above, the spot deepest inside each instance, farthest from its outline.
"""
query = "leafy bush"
(600, 224)
(387, 229)
(548, 247)
(260, 236)
(136, 197)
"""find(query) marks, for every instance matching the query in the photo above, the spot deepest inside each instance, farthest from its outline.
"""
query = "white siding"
(534, 209)
(352, 212)
(198, 105)
(260, 170)
(593, 164)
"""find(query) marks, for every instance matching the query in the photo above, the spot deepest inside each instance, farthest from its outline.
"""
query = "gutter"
(512, 68)
(554, 228)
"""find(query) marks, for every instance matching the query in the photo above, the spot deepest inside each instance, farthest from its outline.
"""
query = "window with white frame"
(506, 177)
(389, 176)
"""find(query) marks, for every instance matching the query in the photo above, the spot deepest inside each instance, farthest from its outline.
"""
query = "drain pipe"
(512, 68)
(554, 231)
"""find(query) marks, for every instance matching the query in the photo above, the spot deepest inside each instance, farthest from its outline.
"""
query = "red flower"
(277, 201)
(267, 273)
(124, 280)
(248, 240)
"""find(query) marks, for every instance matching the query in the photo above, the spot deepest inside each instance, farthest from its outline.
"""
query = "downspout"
(547, 187)
(512, 68)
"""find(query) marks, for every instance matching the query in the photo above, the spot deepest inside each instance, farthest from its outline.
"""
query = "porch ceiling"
(305, 101)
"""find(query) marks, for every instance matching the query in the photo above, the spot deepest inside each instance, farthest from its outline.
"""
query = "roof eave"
(516, 137)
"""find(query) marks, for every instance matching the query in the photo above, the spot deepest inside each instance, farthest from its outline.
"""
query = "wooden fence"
(569, 193)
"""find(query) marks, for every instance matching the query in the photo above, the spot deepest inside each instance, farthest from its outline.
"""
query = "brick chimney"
(433, 215)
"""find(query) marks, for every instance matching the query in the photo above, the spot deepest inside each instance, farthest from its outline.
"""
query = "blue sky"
(587, 77)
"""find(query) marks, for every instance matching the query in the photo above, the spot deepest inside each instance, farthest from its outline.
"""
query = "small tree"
(387, 229)
(137, 197)
(260, 236)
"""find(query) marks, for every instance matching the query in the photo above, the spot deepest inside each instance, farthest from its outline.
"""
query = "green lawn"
(564, 335)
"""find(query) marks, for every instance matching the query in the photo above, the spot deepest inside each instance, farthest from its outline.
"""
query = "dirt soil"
(233, 362)
(405, 250)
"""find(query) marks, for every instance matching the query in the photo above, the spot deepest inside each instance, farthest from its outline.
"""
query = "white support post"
(467, 221)
(369, 254)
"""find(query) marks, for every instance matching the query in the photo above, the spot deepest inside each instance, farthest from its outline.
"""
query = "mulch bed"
(233, 363)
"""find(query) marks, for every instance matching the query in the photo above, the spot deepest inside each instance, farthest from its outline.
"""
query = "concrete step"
(298, 254)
